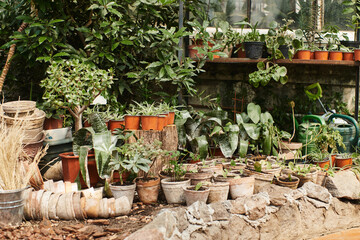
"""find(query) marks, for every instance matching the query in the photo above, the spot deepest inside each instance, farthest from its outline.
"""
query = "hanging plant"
(265, 73)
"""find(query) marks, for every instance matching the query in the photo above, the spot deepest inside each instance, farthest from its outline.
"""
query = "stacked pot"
(156, 122)
(73, 205)
(31, 118)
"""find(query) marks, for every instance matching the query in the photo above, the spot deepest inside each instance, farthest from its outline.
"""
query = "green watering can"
(307, 130)
(349, 131)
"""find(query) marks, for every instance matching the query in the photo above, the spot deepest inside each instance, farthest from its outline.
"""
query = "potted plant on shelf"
(331, 34)
(254, 42)
(348, 53)
(132, 118)
(196, 193)
(173, 186)
(64, 89)
(148, 115)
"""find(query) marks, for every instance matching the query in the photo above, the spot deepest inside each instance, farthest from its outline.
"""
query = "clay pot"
(148, 191)
(197, 177)
(343, 162)
(71, 168)
(335, 55)
(219, 192)
(123, 190)
(58, 187)
(78, 209)
(174, 191)
(237, 166)
(104, 208)
(325, 164)
(190, 167)
(193, 53)
(65, 208)
(122, 206)
(304, 54)
(312, 55)
(215, 170)
(93, 193)
(192, 196)
(111, 205)
(348, 56)
(310, 177)
(167, 120)
(321, 55)
(37, 204)
(53, 123)
(149, 122)
(53, 202)
(283, 181)
(357, 54)
(161, 122)
(92, 207)
(241, 52)
(132, 122)
(124, 176)
(27, 206)
(321, 178)
(44, 206)
(114, 124)
(243, 186)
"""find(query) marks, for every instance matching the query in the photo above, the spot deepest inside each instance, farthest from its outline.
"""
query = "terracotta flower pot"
(348, 56)
(219, 192)
(148, 191)
(65, 208)
(284, 181)
(310, 177)
(149, 122)
(174, 192)
(324, 164)
(343, 162)
(114, 124)
(161, 122)
(167, 120)
(53, 123)
(192, 196)
(92, 207)
(197, 177)
(321, 55)
(312, 55)
(304, 54)
(119, 191)
(171, 118)
(335, 55)
(243, 186)
(71, 168)
(132, 122)
(357, 54)
(193, 53)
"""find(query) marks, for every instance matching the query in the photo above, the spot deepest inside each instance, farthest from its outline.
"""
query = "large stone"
(344, 185)
(276, 194)
(253, 206)
(165, 222)
(146, 234)
(199, 213)
(315, 191)
(182, 221)
(214, 231)
(220, 212)
(238, 228)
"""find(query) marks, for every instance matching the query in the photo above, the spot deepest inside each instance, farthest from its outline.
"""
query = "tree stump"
(169, 138)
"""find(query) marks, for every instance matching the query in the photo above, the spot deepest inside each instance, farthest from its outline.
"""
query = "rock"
(276, 194)
(253, 206)
(198, 236)
(214, 231)
(165, 222)
(182, 221)
(199, 213)
(220, 212)
(146, 234)
(315, 191)
(296, 194)
(344, 185)
(238, 228)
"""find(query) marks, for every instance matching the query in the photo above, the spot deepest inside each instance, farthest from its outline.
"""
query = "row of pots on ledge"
(158, 122)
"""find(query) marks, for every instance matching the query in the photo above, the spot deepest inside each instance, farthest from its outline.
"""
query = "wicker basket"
(33, 121)
(33, 135)
(21, 108)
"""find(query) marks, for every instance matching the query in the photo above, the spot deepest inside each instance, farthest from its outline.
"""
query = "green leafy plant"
(352, 7)
(175, 169)
(198, 186)
(73, 85)
(301, 170)
(254, 34)
(266, 72)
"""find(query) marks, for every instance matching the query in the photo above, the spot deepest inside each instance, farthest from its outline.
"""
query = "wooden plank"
(169, 138)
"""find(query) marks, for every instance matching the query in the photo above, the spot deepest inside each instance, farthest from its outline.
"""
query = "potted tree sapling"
(73, 85)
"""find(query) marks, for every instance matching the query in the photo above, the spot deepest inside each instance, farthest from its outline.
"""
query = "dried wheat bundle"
(13, 173)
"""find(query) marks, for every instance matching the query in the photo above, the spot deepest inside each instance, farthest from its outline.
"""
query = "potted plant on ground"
(196, 193)
(173, 186)
(305, 172)
(73, 85)
(289, 181)
(343, 161)
(321, 159)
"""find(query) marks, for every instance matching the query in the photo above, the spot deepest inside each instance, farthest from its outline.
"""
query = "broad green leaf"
(42, 39)
(252, 130)
(216, 130)
(254, 112)
(243, 147)
(83, 161)
(127, 42)
(202, 146)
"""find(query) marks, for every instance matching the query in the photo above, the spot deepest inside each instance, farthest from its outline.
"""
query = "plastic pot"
(304, 54)
(254, 49)
(119, 191)
(53, 123)
(192, 196)
(148, 191)
(132, 122)
(174, 191)
(171, 118)
(357, 54)
(114, 124)
(335, 55)
(149, 122)
(343, 162)
(348, 56)
(321, 55)
(161, 122)
(241, 52)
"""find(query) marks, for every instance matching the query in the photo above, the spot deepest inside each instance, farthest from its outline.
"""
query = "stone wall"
(273, 213)
(224, 79)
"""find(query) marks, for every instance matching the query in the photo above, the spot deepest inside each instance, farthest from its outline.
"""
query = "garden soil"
(113, 228)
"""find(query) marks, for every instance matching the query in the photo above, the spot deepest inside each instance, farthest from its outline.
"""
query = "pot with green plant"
(148, 115)
(254, 42)
(321, 159)
(63, 89)
(173, 186)
(240, 184)
(305, 172)
(343, 161)
(196, 193)
(348, 53)
(169, 111)
(132, 119)
(289, 181)
(116, 121)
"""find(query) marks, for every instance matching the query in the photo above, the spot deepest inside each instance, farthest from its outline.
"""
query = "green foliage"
(254, 35)
(198, 186)
(266, 73)
(301, 169)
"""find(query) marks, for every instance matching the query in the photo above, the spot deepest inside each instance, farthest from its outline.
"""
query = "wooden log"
(169, 138)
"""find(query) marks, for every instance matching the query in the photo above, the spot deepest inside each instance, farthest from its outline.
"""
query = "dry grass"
(14, 174)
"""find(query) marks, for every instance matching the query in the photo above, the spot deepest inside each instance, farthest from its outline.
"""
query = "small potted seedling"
(196, 193)
(288, 181)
